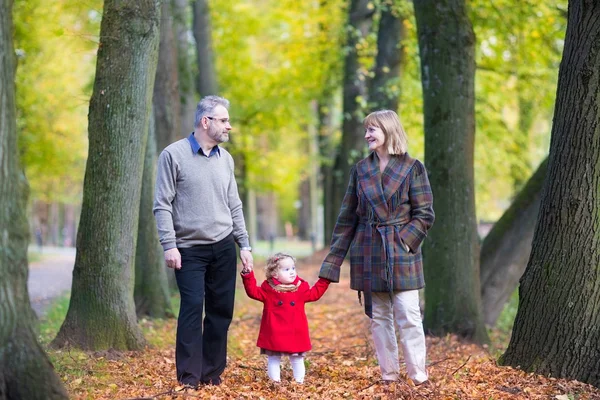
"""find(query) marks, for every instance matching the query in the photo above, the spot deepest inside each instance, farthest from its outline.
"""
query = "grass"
(500, 334)
(55, 315)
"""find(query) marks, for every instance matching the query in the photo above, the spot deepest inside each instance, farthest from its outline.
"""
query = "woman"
(384, 217)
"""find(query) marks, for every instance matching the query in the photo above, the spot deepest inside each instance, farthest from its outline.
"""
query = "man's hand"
(247, 260)
(173, 258)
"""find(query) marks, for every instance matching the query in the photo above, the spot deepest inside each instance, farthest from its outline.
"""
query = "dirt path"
(50, 277)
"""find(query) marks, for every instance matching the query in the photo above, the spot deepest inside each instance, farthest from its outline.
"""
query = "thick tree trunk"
(102, 313)
(556, 329)
(507, 247)
(207, 78)
(25, 371)
(352, 146)
(384, 88)
(166, 101)
(151, 291)
(447, 51)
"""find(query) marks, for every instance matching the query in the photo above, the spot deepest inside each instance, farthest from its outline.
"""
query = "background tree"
(384, 86)
(447, 49)
(151, 290)
(206, 83)
(56, 46)
(352, 145)
(506, 248)
(556, 328)
(25, 371)
(166, 99)
(101, 311)
(186, 62)
(519, 45)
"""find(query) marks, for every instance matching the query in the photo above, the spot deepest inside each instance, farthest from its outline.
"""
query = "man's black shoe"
(212, 381)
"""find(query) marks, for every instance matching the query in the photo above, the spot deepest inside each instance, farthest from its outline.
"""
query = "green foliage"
(56, 42)
(274, 58)
(518, 54)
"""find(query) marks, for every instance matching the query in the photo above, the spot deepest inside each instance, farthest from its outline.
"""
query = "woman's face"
(375, 138)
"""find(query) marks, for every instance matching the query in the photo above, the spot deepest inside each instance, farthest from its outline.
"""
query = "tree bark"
(507, 247)
(151, 290)
(101, 312)
(352, 146)
(25, 371)
(187, 85)
(384, 88)
(556, 328)
(207, 79)
(166, 101)
(447, 52)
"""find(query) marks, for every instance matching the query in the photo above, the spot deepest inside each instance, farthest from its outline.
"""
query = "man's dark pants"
(206, 279)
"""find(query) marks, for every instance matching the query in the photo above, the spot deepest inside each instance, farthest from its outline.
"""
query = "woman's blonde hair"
(396, 140)
(273, 263)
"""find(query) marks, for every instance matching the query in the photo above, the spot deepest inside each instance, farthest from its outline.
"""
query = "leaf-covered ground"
(342, 364)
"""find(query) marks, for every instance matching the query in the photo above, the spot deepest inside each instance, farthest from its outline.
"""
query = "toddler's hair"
(273, 263)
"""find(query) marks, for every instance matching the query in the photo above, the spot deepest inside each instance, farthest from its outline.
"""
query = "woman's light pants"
(405, 309)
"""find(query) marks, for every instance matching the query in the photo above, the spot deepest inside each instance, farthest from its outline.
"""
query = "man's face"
(286, 272)
(218, 125)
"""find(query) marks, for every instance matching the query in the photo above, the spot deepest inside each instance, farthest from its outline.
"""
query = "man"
(199, 217)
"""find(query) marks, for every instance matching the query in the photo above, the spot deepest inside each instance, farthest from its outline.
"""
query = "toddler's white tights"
(274, 368)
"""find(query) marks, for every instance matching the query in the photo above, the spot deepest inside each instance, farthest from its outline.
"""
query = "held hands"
(247, 261)
(173, 258)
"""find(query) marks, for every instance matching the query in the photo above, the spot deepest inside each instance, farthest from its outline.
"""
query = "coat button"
(279, 302)
(293, 303)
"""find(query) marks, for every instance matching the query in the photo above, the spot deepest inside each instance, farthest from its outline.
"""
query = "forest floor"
(341, 365)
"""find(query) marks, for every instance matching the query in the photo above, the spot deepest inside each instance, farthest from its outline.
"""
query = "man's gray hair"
(207, 106)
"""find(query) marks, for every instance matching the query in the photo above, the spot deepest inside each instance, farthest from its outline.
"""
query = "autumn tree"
(384, 86)
(451, 252)
(181, 9)
(556, 328)
(149, 294)
(25, 371)
(352, 145)
(206, 83)
(151, 289)
(101, 312)
(506, 248)
(166, 101)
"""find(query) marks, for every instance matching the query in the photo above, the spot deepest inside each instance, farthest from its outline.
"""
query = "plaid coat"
(377, 213)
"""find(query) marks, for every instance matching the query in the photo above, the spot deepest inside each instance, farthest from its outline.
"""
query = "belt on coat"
(386, 231)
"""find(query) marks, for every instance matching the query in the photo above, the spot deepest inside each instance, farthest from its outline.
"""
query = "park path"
(50, 277)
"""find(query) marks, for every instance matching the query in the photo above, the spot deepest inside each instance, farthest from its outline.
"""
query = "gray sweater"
(196, 198)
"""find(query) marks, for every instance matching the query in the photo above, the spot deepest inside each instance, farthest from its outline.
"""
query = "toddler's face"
(286, 272)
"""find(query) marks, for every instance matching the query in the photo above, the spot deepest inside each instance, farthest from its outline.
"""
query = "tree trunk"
(507, 247)
(102, 313)
(25, 371)
(187, 85)
(447, 52)
(556, 329)
(384, 88)
(207, 78)
(151, 291)
(166, 101)
(352, 146)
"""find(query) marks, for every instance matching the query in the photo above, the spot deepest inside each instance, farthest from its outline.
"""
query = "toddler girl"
(284, 327)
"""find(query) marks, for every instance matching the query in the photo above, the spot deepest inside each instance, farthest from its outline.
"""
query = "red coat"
(284, 326)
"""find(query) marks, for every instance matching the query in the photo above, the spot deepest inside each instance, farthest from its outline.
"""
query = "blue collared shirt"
(197, 149)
